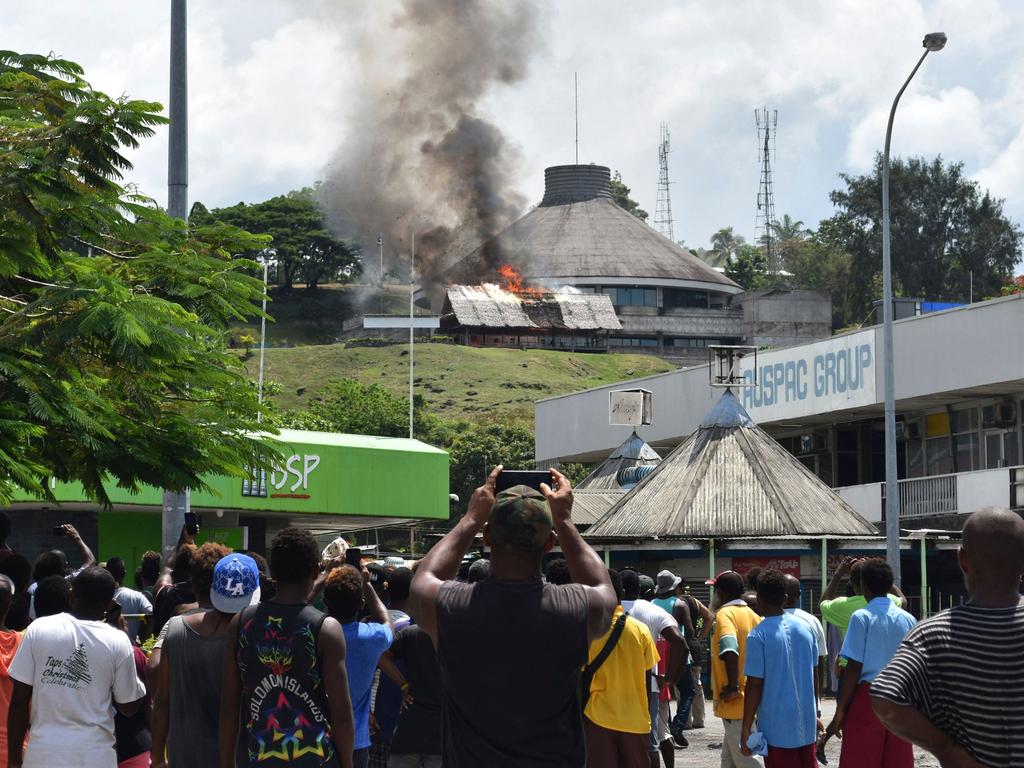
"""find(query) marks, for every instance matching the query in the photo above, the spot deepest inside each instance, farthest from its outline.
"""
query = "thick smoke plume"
(416, 155)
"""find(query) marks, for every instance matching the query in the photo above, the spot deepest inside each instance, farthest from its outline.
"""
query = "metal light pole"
(175, 505)
(932, 42)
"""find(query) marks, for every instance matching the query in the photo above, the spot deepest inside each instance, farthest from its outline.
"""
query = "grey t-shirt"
(133, 603)
(510, 656)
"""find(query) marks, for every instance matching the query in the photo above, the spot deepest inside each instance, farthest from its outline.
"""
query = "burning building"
(491, 316)
(667, 301)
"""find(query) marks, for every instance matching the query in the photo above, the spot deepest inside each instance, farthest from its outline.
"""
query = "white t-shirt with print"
(77, 670)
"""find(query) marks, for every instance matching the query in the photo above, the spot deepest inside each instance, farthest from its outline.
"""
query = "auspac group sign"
(830, 375)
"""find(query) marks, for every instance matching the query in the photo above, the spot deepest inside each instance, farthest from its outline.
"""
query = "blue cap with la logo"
(236, 583)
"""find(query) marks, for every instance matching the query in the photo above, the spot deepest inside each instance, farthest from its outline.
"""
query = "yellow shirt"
(733, 623)
(618, 695)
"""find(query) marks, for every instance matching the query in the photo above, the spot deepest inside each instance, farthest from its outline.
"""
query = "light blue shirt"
(783, 651)
(874, 634)
(364, 644)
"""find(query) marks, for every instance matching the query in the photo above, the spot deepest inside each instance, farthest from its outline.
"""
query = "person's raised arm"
(441, 563)
(17, 722)
(230, 698)
(837, 578)
(164, 579)
(375, 607)
(335, 675)
(911, 725)
(585, 566)
(318, 583)
(88, 558)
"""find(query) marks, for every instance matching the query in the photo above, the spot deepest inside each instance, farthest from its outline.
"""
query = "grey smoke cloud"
(416, 152)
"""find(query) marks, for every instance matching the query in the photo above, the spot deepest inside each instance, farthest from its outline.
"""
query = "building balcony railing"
(959, 493)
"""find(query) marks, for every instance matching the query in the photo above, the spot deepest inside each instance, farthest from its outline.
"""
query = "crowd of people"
(314, 658)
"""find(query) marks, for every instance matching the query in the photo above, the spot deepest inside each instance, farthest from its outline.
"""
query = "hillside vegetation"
(456, 382)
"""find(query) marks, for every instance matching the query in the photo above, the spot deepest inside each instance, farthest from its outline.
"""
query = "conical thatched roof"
(578, 233)
(634, 452)
(729, 479)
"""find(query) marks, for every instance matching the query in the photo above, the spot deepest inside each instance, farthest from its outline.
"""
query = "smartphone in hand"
(528, 477)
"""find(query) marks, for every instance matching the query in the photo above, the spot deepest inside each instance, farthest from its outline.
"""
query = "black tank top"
(284, 713)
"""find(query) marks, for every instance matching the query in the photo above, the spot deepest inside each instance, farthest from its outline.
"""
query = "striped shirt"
(963, 669)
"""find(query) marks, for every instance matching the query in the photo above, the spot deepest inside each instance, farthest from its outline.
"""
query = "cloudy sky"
(271, 82)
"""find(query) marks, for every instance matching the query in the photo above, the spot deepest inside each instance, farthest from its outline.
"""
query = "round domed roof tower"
(579, 236)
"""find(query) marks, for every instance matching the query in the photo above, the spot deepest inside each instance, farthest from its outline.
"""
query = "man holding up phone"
(511, 646)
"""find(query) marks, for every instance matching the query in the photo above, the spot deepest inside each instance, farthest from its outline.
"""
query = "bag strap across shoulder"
(587, 676)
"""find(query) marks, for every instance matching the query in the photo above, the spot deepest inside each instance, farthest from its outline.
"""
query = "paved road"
(698, 755)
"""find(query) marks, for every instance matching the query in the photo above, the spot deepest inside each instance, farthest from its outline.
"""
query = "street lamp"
(935, 41)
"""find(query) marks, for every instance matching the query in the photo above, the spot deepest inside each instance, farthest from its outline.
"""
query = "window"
(694, 343)
(966, 444)
(682, 297)
(633, 297)
(631, 341)
(940, 460)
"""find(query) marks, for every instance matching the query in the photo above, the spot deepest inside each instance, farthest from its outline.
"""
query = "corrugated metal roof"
(729, 479)
(633, 452)
(590, 505)
(488, 306)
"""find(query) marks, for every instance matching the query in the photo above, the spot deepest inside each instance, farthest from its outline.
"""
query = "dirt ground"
(701, 755)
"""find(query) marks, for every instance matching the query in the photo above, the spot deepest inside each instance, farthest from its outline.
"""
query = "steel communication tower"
(767, 121)
(663, 210)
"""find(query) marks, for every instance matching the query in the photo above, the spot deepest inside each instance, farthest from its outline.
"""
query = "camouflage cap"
(520, 519)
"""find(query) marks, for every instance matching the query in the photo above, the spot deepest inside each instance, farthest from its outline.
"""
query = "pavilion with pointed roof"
(729, 480)
(634, 452)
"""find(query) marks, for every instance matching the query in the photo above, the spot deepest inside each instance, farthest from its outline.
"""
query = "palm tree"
(724, 244)
(789, 229)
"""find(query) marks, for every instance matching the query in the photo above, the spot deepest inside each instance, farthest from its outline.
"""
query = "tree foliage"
(112, 355)
(620, 194)
(747, 266)
(476, 449)
(301, 247)
(346, 405)
(944, 229)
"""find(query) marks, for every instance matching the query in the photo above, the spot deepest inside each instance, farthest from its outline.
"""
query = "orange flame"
(512, 282)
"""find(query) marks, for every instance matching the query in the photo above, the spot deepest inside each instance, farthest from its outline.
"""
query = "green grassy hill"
(457, 382)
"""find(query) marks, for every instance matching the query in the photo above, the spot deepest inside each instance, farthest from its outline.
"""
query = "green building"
(326, 482)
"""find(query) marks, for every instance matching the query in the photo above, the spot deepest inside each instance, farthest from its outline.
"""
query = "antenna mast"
(663, 211)
(576, 96)
(767, 122)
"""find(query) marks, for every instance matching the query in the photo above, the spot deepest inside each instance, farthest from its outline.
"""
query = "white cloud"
(270, 84)
(954, 123)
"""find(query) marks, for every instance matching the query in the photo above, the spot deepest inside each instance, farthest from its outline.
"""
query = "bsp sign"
(830, 375)
(287, 481)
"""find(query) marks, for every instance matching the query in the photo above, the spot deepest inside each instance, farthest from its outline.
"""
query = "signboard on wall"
(630, 407)
(830, 375)
(790, 565)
